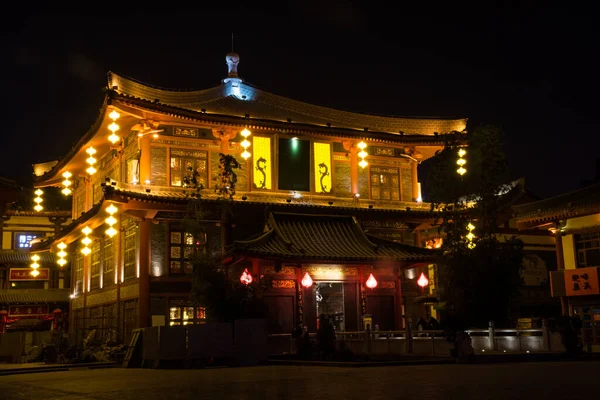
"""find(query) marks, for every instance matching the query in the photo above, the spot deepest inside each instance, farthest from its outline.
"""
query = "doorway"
(329, 297)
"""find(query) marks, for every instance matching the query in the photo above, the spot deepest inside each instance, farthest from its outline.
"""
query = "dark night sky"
(532, 70)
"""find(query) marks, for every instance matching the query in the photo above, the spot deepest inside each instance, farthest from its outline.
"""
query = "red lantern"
(307, 281)
(246, 277)
(371, 282)
(423, 281)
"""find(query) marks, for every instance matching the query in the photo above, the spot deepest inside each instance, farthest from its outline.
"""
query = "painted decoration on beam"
(262, 162)
(322, 167)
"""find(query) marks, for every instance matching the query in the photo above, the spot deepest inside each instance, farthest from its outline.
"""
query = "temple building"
(573, 219)
(31, 299)
(326, 207)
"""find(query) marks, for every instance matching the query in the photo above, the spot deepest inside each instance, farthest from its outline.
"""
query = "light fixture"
(35, 258)
(461, 162)
(91, 161)
(66, 183)
(61, 254)
(307, 281)
(470, 236)
(371, 282)
(86, 241)
(110, 220)
(422, 281)
(113, 127)
(246, 143)
(363, 154)
(38, 200)
(246, 277)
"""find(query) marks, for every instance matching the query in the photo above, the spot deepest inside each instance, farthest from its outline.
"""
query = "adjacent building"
(324, 197)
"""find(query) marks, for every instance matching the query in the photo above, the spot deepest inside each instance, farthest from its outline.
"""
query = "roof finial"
(232, 59)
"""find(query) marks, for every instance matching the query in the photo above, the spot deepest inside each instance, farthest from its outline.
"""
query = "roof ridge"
(584, 189)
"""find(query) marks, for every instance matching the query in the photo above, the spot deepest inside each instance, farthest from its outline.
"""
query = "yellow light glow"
(86, 230)
(86, 251)
(38, 208)
(262, 162)
(35, 257)
(111, 209)
(113, 127)
(66, 191)
(111, 220)
(35, 265)
(461, 162)
(111, 231)
(363, 154)
(363, 163)
(38, 200)
(471, 245)
(114, 115)
(362, 145)
(245, 144)
(86, 241)
(91, 160)
(67, 174)
(61, 262)
(39, 192)
(35, 272)
(462, 152)
(461, 171)
(113, 138)
(245, 133)
(470, 236)
(62, 254)
(322, 167)
(470, 226)
(246, 155)
(91, 170)
(91, 151)
(61, 245)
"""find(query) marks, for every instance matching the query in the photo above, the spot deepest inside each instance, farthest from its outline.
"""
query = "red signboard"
(28, 310)
(24, 274)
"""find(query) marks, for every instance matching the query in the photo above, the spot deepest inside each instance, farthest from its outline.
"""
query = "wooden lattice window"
(108, 278)
(385, 183)
(187, 165)
(78, 272)
(129, 249)
(95, 267)
(182, 248)
(181, 313)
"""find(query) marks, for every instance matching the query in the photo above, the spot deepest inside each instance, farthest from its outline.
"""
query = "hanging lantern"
(363, 154)
(38, 200)
(470, 236)
(461, 162)
(246, 277)
(371, 282)
(66, 183)
(86, 241)
(307, 281)
(422, 281)
(110, 221)
(91, 161)
(61, 254)
(113, 127)
(246, 143)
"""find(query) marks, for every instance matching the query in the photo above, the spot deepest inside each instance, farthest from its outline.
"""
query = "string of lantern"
(35, 258)
(66, 183)
(38, 200)
(61, 254)
(113, 127)
(246, 143)
(363, 154)
(470, 236)
(461, 162)
(111, 220)
(91, 161)
(86, 241)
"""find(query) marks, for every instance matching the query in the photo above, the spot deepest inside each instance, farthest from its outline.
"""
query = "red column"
(399, 318)
(144, 280)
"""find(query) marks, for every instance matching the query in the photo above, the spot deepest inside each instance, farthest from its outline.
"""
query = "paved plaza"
(552, 380)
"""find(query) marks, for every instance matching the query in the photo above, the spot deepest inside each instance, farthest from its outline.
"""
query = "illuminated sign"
(24, 274)
(28, 310)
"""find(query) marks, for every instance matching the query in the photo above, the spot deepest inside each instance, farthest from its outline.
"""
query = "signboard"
(28, 310)
(24, 274)
(581, 281)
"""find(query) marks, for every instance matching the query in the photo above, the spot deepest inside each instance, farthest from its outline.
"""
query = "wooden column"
(144, 280)
(415, 181)
(145, 159)
(560, 262)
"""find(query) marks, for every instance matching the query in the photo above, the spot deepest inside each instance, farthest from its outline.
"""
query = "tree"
(213, 285)
(476, 280)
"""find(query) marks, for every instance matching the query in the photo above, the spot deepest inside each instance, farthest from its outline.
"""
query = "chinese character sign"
(24, 240)
(28, 311)
(581, 281)
(24, 274)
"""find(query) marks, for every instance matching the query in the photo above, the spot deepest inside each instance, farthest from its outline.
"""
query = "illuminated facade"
(297, 158)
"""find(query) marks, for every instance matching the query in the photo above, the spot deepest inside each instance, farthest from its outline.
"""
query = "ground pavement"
(550, 380)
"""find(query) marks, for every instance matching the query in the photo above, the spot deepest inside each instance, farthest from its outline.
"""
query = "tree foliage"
(477, 283)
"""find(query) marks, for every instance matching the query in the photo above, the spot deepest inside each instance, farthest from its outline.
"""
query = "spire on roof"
(233, 59)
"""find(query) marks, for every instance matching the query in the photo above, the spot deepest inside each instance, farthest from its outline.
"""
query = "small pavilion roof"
(324, 238)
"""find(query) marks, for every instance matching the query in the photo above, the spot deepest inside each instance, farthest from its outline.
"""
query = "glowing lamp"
(114, 115)
(461, 171)
(111, 231)
(362, 145)
(35, 265)
(245, 143)
(62, 254)
(246, 154)
(245, 133)
(91, 170)
(61, 245)
(422, 281)
(113, 138)
(461, 162)
(371, 282)
(113, 127)
(35, 257)
(38, 199)
(86, 241)
(35, 272)
(246, 277)
(66, 191)
(363, 163)
(307, 281)
(111, 209)
(86, 251)
(86, 231)
(111, 220)
(470, 227)
(91, 151)
(363, 154)
(61, 262)
(462, 152)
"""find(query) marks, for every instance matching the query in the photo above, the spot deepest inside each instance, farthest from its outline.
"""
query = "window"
(23, 240)
(78, 271)
(385, 183)
(182, 247)
(189, 168)
(133, 171)
(294, 164)
(184, 314)
(108, 278)
(95, 267)
(262, 162)
(129, 249)
(588, 249)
